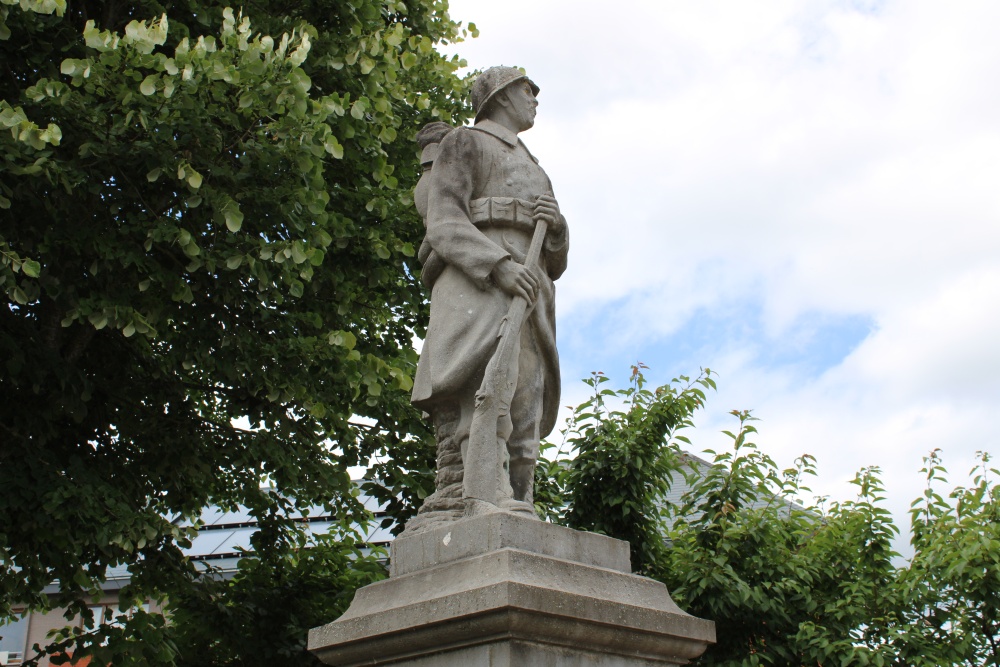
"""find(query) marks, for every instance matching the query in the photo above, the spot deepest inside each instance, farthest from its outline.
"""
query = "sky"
(802, 196)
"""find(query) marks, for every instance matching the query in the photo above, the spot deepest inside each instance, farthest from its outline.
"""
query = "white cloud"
(944, 347)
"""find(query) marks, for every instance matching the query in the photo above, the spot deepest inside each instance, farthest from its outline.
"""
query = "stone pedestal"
(502, 590)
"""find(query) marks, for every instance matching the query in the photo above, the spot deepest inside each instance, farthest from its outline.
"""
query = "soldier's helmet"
(492, 81)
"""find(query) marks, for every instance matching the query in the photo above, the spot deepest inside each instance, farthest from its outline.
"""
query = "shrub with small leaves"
(624, 458)
(786, 584)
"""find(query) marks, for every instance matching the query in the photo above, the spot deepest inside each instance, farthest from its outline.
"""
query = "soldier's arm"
(449, 227)
(556, 246)
(515, 279)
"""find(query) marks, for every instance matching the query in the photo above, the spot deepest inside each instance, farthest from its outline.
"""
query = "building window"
(13, 638)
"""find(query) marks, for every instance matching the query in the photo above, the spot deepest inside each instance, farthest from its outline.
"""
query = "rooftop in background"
(224, 536)
(680, 486)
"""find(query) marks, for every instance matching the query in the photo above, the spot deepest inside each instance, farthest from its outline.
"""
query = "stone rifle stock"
(484, 479)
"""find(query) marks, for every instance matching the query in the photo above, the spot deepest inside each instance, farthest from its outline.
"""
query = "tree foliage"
(953, 581)
(262, 614)
(621, 469)
(207, 251)
(786, 584)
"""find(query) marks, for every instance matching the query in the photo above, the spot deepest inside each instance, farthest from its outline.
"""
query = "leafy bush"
(786, 584)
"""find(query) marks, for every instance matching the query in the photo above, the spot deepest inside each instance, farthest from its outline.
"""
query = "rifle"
(484, 478)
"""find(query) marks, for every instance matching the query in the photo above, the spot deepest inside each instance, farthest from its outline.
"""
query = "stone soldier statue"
(483, 197)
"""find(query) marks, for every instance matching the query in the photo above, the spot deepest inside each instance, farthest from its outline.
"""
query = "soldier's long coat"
(481, 183)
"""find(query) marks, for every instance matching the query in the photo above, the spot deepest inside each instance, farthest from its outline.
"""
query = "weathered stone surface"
(445, 504)
(498, 588)
(493, 532)
(524, 654)
(496, 240)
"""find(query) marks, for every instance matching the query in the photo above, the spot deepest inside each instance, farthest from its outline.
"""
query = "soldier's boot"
(522, 481)
(445, 503)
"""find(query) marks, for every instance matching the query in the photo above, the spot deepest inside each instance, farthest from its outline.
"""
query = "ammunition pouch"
(507, 212)
(503, 211)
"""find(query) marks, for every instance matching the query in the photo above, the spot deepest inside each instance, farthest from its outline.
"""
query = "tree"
(206, 243)
(952, 583)
(786, 584)
(261, 615)
(622, 469)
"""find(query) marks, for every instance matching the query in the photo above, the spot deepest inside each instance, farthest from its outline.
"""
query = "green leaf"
(387, 135)
(11, 116)
(98, 319)
(333, 147)
(234, 217)
(148, 85)
(52, 134)
(343, 339)
(31, 268)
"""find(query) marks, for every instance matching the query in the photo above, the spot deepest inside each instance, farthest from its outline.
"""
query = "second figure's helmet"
(492, 81)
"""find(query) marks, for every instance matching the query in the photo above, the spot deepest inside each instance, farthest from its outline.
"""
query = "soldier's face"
(523, 103)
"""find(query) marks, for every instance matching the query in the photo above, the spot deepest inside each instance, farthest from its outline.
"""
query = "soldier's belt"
(506, 211)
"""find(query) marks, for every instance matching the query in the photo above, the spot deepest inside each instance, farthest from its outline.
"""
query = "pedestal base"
(502, 590)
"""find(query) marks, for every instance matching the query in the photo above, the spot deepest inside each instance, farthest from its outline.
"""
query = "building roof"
(224, 536)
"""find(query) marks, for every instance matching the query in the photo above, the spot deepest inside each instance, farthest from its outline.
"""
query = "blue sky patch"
(814, 343)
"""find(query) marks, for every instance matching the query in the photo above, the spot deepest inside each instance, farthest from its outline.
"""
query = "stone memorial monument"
(476, 579)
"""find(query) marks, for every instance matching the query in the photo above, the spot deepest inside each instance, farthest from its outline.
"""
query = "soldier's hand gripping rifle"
(484, 480)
